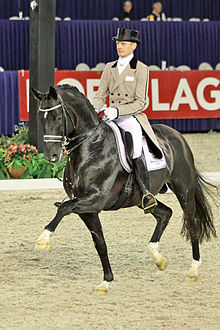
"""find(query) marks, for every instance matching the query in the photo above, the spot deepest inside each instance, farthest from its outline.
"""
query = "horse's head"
(51, 118)
(68, 123)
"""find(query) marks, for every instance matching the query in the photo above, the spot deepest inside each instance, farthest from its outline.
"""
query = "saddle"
(125, 148)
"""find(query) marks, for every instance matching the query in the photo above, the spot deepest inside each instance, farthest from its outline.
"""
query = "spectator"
(157, 14)
(126, 14)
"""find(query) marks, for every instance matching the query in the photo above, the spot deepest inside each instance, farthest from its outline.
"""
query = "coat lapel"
(118, 79)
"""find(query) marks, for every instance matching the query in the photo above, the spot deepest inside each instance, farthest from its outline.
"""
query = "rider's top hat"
(127, 35)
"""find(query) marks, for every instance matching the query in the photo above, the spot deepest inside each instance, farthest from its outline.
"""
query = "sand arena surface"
(52, 290)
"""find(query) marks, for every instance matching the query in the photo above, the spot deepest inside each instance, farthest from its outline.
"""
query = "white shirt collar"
(125, 60)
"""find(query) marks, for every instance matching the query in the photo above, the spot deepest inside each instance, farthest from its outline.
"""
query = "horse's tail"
(202, 225)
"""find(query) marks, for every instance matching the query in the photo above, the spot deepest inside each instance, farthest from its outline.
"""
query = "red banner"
(171, 94)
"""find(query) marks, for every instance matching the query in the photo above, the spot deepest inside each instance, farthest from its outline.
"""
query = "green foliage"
(15, 151)
(3, 170)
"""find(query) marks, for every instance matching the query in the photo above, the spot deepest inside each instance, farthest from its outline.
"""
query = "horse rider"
(126, 83)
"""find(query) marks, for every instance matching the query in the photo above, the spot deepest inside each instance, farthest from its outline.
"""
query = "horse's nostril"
(54, 158)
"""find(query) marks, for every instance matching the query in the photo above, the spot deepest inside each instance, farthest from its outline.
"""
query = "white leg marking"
(194, 270)
(156, 255)
(43, 242)
(45, 236)
(159, 259)
(102, 288)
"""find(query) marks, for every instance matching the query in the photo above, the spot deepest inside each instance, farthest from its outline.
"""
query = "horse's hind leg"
(92, 222)
(162, 214)
(186, 198)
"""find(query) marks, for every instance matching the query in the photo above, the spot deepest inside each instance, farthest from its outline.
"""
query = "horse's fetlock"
(109, 277)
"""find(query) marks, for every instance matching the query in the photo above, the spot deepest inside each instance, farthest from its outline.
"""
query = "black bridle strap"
(83, 139)
(64, 138)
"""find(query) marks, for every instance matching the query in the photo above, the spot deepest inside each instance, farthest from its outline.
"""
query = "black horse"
(94, 179)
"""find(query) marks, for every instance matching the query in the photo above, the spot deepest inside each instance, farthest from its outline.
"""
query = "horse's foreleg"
(43, 242)
(92, 222)
(162, 214)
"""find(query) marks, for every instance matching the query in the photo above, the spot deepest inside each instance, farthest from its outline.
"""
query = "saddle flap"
(153, 163)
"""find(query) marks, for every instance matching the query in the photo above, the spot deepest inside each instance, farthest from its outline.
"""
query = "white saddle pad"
(153, 163)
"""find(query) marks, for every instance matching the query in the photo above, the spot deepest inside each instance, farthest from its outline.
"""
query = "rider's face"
(125, 48)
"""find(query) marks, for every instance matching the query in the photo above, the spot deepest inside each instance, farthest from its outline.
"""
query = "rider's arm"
(103, 91)
(139, 102)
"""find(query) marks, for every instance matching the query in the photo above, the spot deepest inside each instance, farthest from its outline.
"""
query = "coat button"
(126, 94)
(118, 94)
(113, 101)
(112, 93)
(119, 101)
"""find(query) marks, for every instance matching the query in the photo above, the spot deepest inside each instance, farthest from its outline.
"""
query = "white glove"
(111, 113)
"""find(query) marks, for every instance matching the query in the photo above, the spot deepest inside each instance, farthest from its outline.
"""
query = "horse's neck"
(86, 121)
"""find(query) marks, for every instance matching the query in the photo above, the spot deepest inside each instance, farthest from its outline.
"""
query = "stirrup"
(149, 207)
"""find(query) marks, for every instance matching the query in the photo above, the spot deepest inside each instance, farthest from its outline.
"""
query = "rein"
(64, 139)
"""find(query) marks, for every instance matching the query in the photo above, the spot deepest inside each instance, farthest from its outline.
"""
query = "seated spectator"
(126, 14)
(157, 14)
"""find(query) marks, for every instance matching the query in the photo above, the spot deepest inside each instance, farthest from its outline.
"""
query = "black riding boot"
(148, 200)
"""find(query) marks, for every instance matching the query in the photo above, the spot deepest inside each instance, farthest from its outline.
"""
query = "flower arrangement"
(17, 154)
(20, 156)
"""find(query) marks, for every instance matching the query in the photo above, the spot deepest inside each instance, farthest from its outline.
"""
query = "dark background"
(105, 9)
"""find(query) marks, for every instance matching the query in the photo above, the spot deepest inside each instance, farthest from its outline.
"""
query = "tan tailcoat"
(127, 92)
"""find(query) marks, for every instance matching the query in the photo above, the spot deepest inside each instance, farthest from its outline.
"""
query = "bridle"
(64, 139)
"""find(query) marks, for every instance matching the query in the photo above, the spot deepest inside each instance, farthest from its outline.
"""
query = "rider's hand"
(111, 113)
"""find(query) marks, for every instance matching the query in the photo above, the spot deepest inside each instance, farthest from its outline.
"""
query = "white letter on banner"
(214, 94)
(90, 84)
(72, 82)
(188, 99)
(156, 106)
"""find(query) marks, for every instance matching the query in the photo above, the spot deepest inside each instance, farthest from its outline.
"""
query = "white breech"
(130, 124)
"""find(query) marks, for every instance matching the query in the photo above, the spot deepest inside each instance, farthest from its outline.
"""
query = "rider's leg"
(140, 169)
(130, 124)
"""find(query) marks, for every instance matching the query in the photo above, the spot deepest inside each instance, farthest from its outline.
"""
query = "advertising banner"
(171, 94)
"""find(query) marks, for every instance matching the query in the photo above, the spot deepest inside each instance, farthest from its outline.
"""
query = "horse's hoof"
(162, 264)
(42, 246)
(101, 291)
(57, 204)
(192, 277)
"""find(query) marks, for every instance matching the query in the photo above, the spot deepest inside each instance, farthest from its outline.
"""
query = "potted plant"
(19, 157)
(22, 160)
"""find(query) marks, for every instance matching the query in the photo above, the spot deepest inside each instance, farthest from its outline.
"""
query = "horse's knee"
(66, 207)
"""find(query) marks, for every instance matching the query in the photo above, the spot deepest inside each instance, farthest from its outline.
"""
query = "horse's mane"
(74, 90)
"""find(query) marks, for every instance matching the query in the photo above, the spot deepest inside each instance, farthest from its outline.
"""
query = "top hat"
(127, 35)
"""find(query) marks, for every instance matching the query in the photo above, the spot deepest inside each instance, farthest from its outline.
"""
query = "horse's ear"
(38, 95)
(52, 93)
